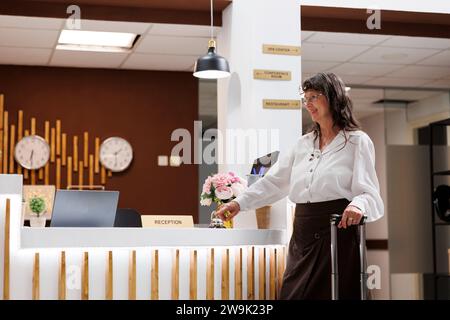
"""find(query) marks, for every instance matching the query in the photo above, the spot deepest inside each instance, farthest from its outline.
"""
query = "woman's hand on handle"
(233, 207)
(352, 215)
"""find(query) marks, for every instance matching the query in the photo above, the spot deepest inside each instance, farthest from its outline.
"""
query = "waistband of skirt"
(321, 208)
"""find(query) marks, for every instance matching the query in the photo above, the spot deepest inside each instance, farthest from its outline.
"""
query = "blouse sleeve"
(273, 187)
(365, 186)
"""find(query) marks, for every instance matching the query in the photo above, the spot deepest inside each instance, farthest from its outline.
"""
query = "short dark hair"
(341, 106)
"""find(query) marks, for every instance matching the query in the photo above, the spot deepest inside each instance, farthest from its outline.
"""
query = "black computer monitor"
(81, 208)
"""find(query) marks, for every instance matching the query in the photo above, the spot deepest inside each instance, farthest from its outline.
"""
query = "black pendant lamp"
(211, 65)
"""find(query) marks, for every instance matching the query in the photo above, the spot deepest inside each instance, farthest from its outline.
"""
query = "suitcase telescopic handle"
(334, 221)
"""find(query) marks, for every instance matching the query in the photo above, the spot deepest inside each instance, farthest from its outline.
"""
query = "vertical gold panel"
(69, 171)
(11, 148)
(80, 174)
(103, 175)
(97, 155)
(33, 126)
(2, 108)
(75, 153)
(226, 274)
(85, 277)
(210, 275)
(176, 275)
(86, 149)
(6, 251)
(58, 173)
(62, 277)
(91, 171)
(47, 165)
(155, 276)
(279, 269)
(238, 274)
(193, 276)
(19, 135)
(109, 173)
(262, 273)
(272, 273)
(35, 289)
(64, 149)
(33, 132)
(41, 173)
(25, 171)
(251, 273)
(58, 137)
(52, 144)
(109, 277)
(5, 142)
(132, 276)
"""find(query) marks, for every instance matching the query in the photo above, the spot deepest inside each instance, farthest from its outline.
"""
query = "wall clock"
(116, 154)
(32, 152)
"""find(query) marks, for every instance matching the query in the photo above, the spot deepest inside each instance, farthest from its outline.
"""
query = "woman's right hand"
(233, 207)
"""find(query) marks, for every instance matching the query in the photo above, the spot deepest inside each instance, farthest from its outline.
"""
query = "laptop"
(80, 208)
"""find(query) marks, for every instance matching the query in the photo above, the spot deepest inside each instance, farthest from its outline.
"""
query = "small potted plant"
(37, 206)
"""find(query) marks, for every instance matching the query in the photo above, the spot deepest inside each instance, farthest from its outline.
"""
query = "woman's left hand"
(352, 215)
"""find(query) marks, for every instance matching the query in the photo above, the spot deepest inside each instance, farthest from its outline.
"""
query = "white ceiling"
(378, 60)
(32, 41)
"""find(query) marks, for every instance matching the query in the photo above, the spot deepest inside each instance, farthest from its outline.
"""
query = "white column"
(247, 25)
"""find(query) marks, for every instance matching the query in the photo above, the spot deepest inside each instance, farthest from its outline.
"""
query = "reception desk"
(134, 263)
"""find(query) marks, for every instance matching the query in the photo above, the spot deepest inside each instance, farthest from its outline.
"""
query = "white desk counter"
(140, 237)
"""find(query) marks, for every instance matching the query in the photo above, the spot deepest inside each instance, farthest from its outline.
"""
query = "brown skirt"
(308, 267)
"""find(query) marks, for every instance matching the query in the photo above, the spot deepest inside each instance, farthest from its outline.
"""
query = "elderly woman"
(329, 170)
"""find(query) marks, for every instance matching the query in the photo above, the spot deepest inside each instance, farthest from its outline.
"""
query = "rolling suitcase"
(334, 221)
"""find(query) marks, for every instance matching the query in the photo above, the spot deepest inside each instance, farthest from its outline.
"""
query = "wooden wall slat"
(52, 144)
(251, 273)
(80, 173)
(26, 133)
(210, 275)
(238, 274)
(97, 155)
(85, 277)
(58, 137)
(75, 153)
(109, 289)
(176, 275)
(69, 172)
(63, 149)
(193, 276)
(11, 148)
(58, 173)
(103, 175)
(272, 274)
(262, 273)
(19, 134)
(6, 251)
(155, 276)
(91, 170)
(47, 165)
(225, 274)
(86, 149)
(5, 142)
(62, 277)
(2, 109)
(35, 291)
(132, 276)
(33, 126)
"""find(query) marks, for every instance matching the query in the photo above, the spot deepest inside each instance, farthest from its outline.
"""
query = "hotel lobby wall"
(143, 107)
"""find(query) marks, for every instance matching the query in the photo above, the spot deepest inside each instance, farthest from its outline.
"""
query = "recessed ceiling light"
(394, 56)
(96, 41)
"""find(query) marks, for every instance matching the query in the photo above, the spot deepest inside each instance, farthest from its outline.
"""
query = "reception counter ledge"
(138, 237)
(134, 263)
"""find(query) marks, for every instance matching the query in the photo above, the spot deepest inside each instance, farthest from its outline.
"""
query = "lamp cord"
(212, 20)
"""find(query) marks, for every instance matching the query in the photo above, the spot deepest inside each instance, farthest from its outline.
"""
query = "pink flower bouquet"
(222, 188)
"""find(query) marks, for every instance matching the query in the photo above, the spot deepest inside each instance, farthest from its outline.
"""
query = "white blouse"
(306, 174)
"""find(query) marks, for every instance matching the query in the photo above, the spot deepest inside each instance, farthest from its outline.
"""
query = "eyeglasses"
(312, 99)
